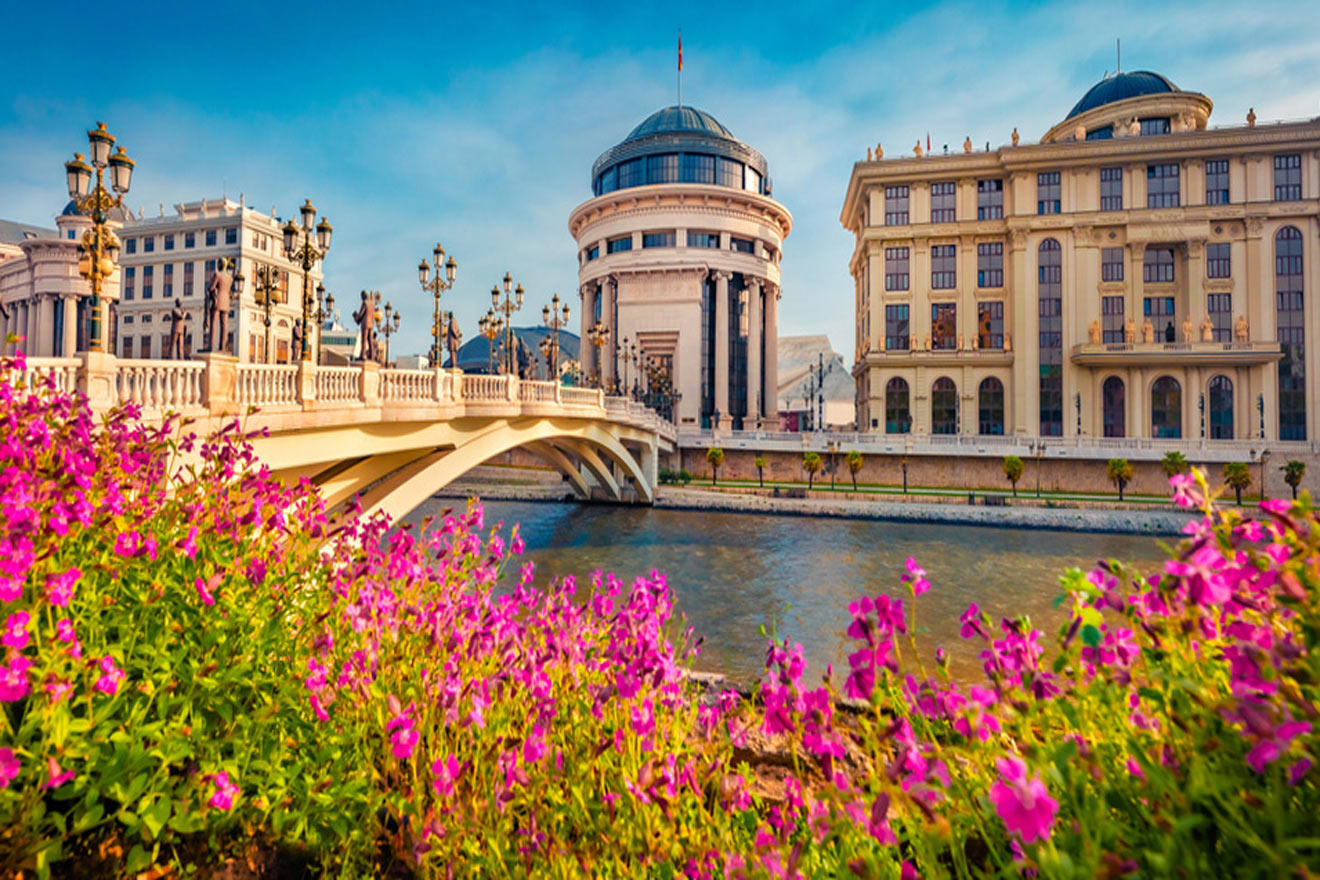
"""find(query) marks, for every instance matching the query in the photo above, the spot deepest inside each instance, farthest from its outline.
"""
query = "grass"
(933, 491)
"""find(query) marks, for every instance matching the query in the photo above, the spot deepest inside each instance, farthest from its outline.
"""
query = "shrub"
(666, 477)
(684, 476)
(1013, 471)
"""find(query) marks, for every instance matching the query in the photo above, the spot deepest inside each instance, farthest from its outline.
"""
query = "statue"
(967, 144)
(1251, 117)
(1169, 334)
(976, 341)
(868, 154)
(453, 338)
(1008, 341)
(1134, 127)
(295, 346)
(879, 152)
(1079, 133)
(925, 342)
(175, 349)
(960, 342)
(1147, 331)
(917, 149)
(365, 318)
(1129, 332)
(1016, 136)
(523, 355)
(1207, 329)
(217, 307)
(1240, 328)
(1187, 329)
(912, 344)
(1093, 331)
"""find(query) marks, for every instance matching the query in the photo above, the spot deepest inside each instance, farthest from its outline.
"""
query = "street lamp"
(325, 310)
(264, 284)
(1260, 408)
(550, 316)
(99, 249)
(306, 253)
(1200, 404)
(1077, 403)
(491, 325)
(1038, 449)
(506, 309)
(597, 334)
(390, 327)
(437, 286)
(621, 353)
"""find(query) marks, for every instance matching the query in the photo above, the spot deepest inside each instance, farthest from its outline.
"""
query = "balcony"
(1155, 354)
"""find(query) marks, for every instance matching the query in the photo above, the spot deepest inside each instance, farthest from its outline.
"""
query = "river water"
(733, 573)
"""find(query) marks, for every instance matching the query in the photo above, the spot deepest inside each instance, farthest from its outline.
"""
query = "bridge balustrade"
(409, 385)
(481, 388)
(537, 392)
(64, 372)
(160, 385)
(338, 384)
(268, 385)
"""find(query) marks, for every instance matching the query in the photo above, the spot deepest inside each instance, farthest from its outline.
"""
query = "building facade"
(1134, 275)
(679, 254)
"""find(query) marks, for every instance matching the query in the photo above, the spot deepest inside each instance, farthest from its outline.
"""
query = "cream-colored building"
(1136, 274)
(679, 255)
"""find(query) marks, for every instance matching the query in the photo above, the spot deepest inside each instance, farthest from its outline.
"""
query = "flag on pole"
(680, 51)
(928, 142)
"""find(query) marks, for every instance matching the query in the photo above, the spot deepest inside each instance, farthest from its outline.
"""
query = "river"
(733, 573)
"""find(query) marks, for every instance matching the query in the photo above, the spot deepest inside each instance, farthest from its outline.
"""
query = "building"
(1136, 274)
(679, 253)
(476, 355)
(815, 387)
(339, 345)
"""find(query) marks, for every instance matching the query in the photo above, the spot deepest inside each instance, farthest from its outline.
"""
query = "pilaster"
(370, 383)
(722, 345)
(754, 365)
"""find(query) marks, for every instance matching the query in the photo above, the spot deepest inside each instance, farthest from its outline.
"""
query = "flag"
(680, 51)
(927, 142)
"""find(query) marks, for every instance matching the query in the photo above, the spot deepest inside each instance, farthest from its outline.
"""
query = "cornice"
(682, 197)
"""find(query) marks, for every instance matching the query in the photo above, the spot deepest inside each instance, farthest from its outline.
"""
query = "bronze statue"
(453, 339)
(175, 350)
(217, 307)
(365, 318)
(296, 343)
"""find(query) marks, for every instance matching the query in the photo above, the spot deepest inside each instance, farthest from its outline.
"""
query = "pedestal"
(220, 383)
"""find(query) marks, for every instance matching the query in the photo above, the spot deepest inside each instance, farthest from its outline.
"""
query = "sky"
(476, 124)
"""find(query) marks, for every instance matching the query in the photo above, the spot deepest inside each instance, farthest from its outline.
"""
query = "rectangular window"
(943, 202)
(146, 346)
(187, 279)
(1111, 189)
(210, 272)
(896, 206)
(130, 245)
(608, 181)
(1160, 311)
(897, 334)
(943, 266)
(1288, 178)
(231, 235)
(728, 173)
(593, 252)
(990, 264)
(990, 325)
(1216, 182)
(1111, 319)
(632, 173)
(1111, 264)
(126, 346)
(1048, 190)
(659, 239)
(703, 239)
(1219, 306)
(752, 182)
(696, 168)
(256, 239)
(896, 268)
(147, 272)
(167, 283)
(1218, 260)
(742, 245)
(130, 280)
(148, 243)
(1162, 185)
(169, 241)
(189, 239)
(1157, 266)
(1154, 125)
(662, 168)
(210, 238)
(1103, 133)
(943, 326)
(990, 199)
(615, 245)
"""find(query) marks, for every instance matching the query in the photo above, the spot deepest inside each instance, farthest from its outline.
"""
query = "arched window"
(1050, 311)
(1166, 408)
(1114, 404)
(944, 406)
(898, 418)
(1221, 408)
(990, 406)
(1291, 329)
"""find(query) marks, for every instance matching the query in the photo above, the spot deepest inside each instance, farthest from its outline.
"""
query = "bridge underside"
(394, 466)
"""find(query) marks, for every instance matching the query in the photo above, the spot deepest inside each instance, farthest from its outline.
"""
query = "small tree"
(854, 465)
(1173, 463)
(759, 461)
(1238, 475)
(715, 457)
(1013, 470)
(811, 464)
(1293, 472)
(1119, 471)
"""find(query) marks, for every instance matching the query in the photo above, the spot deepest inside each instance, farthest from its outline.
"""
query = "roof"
(679, 119)
(118, 213)
(1120, 87)
(474, 354)
(12, 232)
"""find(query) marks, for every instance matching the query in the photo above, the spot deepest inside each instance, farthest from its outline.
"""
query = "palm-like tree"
(1013, 471)
(811, 464)
(1293, 472)
(1119, 471)
(759, 461)
(715, 457)
(854, 465)
(1173, 463)
(1238, 475)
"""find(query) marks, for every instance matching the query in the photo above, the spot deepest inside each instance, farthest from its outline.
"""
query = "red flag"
(680, 50)
(927, 142)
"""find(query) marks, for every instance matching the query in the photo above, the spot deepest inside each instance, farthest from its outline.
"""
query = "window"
(146, 346)
(1219, 306)
(897, 332)
(1162, 186)
(1160, 307)
(1291, 329)
(607, 181)
(943, 199)
(147, 272)
(1216, 182)
(659, 239)
(896, 206)
(1166, 408)
(944, 326)
(210, 238)
(728, 172)
(990, 325)
(990, 199)
(130, 279)
(990, 264)
(210, 272)
(148, 243)
(1111, 189)
(1103, 133)
(1288, 178)
(1157, 266)
(752, 180)
(126, 346)
(187, 279)
(1049, 310)
(990, 407)
(696, 168)
(898, 417)
(742, 245)
(1111, 319)
(189, 239)
(662, 168)
(943, 266)
(1047, 193)
(615, 245)
(231, 235)
(593, 252)
(1218, 260)
(130, 245)
(167, 283)
(1154, 125)
(896, 268)
(256, 239)
(1221, 408)
(944, 406)
(704, 239)
(169, 241)
(632, 173)
(1114, 414)
(1111, 264)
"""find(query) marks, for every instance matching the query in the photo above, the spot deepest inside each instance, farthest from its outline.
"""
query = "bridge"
(389, 437)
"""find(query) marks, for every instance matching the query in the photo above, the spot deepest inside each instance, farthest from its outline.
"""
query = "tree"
(759, 461)
(1238, 475)
(1293, 472)
(715, 457)
(1173, 463)
(854, 465)
(1013, 470)
(811, 464)
(1119, 471)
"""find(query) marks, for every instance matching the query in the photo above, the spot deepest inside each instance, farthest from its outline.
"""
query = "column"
(1020, 308)
(70, 306)
(754, 365)
(1196, 304)
(609, 291)
(586, 351)
(30, 327)
(771, 358)
(46, 325)
(722, 346)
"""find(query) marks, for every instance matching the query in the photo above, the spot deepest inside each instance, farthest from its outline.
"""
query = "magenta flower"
(108, 682)
(1024, 804)
(971, 622)
(1298, 770)
(14, 683)
(916, 578)
(54, 776)
(404, 740)
(16, 634)
(534, 746)
(223, 796)
(318, 708)
(1268, 750)
(1185, 492)
(207, 597)
(446, 772)
(189, 544)
(59, 587)
(9, 767)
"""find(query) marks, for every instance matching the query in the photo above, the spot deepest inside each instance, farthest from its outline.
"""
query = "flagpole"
(680, 69)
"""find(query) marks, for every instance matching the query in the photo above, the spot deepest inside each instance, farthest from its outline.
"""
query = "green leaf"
(155, 816)
(138, 858)
(89, 818)
(1091, 636)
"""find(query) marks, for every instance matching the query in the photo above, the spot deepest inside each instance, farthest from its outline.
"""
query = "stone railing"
(581, 396)
(160, 385)
(414, 385)
(537, 392)
(338, 384)
(486, 388)
(267, 385)
(62, 371)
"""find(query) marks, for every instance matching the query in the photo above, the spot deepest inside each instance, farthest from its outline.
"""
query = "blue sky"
(477, 125)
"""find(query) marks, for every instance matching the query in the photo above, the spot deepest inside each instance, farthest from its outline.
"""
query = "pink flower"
(404, 740)
(189, 544)
(223, 796)
(534, 746)
(1298, 770)
(207, 597)
(9, 767)
(16, 634)
(57, 689)
(1268, 750)
(1185, 493)
(55, 778)
(111, 676)
(916, 578)
(59, 587)
(1024, 804)
(14, 680)
(446, 772)
(971, 622)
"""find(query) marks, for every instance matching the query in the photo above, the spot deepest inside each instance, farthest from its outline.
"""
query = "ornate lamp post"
(99, 249)
(389, 327)
(265, 283)
(325, 309)
(306, 254)
(1037, 448)
(597, 334)
(507, 308)
(550, 316)
(436, 286)
(491, 326)
(621, 353)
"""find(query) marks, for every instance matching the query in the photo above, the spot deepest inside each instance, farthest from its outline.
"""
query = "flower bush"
(197, 656)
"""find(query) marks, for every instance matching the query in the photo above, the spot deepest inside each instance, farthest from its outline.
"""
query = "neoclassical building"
(1134, 275)
(679, 253)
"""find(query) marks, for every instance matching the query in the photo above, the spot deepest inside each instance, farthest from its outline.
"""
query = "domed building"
(679, 253)
(1135, 280)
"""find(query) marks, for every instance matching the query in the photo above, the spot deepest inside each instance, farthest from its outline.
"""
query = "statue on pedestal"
(1207, 329)
(295, 346)
(1129, 331)
(175, 348)
(1147, 331)
(1240, 331)
(365, 318)
(453, 339)
(1016, 136)
(217, 307)
(1093, 331)
(1187, 329)
(1008, 341)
